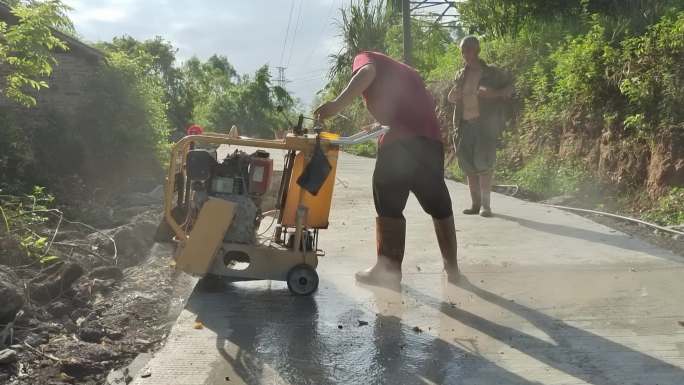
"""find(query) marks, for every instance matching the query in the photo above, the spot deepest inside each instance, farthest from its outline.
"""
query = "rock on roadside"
(84, 358)
(8, 356)
(132, 240)
(11, 297)
(51, 283)
(107, 272)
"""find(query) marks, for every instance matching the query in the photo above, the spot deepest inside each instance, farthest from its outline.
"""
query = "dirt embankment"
(111, 296)
(627, 163)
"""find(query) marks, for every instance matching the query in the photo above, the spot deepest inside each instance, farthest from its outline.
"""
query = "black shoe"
(472, 211)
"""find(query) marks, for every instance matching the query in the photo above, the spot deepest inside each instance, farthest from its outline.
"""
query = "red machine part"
(195, 130)
(260, 174)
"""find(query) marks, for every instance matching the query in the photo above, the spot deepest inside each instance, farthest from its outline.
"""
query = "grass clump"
(669, 209)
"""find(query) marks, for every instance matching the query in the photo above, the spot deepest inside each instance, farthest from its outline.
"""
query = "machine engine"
(240, 178)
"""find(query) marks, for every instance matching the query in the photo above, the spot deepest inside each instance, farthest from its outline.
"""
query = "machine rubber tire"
(302, 280)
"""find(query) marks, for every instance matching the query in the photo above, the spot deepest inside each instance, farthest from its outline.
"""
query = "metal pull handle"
(360, 137)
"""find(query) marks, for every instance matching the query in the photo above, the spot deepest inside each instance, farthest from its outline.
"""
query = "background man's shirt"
(491, 110)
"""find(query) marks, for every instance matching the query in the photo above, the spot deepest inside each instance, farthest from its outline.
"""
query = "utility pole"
(406, 18)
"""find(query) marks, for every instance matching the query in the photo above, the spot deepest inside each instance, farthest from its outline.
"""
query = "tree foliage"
(26, 48)
(651, 76)
(499, 18)
(362, 26)
(126, 113)
(133, 101)
(159, 56)
(248, 102)
(430, 44)
(587, 69)
(209, 92)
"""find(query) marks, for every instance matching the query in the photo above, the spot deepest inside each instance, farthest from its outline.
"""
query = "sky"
(250, 33)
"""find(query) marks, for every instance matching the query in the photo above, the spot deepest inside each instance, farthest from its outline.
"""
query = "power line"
(311, 80)
(294, 36)
(326, 24)
(311, 72)
(287, 32)
(321, 76)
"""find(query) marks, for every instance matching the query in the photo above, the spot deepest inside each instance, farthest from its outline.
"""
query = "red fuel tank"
(260, 173)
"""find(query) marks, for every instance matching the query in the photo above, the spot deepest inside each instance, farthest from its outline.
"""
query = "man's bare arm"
(488, 93)
(504, 92)
(361, 80)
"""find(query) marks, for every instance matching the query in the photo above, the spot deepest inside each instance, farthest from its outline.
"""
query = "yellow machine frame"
(202, 249)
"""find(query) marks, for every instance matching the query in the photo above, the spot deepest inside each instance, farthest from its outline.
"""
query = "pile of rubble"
(105, 300)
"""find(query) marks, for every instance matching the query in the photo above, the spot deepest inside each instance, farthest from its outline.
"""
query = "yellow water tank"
(319, 205)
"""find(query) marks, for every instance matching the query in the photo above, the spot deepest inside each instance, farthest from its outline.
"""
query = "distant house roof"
(75, 46)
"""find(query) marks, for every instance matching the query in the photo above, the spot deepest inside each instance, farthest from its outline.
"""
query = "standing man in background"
(479, 93)
(410, 159)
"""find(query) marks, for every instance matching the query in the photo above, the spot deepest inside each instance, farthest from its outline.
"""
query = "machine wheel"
(302, 280)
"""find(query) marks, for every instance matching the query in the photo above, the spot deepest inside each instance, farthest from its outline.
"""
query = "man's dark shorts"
(411, 165)
(476, 147)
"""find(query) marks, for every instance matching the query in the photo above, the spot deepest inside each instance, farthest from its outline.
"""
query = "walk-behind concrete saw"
(213, 207)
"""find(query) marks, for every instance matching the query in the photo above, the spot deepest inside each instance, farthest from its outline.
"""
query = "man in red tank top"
(410, 159)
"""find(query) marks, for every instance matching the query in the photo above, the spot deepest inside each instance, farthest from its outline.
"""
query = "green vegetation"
(453, 171)
(599, 84)
(599, 89)
(368, 149)
(210, 93)
(136, 102)
(16, 157)
(668, 209)
(549, 175)
(249, 102)
(126, 112)
(26, 48)
(20, 215)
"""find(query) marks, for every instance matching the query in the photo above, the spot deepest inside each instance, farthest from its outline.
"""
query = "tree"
(162, 66)
(430, 43)
(27, 47)
(223, 99)
(506, 17)
(208, 92)
(499, 18)
(126, 113)
(363, 26)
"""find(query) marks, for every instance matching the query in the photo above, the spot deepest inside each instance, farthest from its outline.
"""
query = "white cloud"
(249, 33)
(102, 15)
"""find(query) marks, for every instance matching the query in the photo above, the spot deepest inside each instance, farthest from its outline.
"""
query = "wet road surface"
(547, 297)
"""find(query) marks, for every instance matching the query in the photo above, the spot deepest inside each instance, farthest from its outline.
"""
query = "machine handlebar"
(360, 137)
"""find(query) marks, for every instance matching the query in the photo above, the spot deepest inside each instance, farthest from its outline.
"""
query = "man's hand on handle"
(327, 110)
(361, 80)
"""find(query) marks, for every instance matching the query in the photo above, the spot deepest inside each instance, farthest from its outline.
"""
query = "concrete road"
(548, 298)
